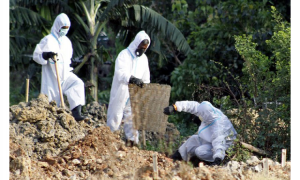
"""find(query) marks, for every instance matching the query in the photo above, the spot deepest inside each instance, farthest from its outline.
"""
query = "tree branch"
(85, 58)
(174, 54)
(254, 149)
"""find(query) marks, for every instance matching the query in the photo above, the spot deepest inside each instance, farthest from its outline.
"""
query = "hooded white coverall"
(127, 64)
(71, 85)
(215, 134)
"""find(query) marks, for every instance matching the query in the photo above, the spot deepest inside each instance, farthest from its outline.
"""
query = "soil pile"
(47, 143)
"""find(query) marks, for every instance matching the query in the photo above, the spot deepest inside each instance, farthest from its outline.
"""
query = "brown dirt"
(101, 154)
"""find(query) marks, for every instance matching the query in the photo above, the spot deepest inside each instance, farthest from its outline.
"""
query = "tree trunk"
(94, 78)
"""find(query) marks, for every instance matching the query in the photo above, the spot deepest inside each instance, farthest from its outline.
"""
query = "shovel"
(58, 81)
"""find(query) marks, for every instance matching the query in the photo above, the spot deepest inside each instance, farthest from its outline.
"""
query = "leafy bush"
(268, 80)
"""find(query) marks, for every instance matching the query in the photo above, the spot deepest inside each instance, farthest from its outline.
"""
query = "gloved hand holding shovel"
(47, 55)
(52, 55)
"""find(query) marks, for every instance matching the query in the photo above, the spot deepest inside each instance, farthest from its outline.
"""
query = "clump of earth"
(46, 142)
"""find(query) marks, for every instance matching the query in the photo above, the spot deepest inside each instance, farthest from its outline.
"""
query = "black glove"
(216, 162)
(168, 110)
(137, 81)
(47, 55)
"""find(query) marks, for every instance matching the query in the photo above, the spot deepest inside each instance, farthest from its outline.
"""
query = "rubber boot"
(176, 156)
(195, 161)
(76, 112)
(130, 143)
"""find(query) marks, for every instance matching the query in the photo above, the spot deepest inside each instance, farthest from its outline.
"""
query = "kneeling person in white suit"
(215, 134)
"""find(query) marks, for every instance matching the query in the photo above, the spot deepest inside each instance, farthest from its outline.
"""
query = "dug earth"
(47, 143)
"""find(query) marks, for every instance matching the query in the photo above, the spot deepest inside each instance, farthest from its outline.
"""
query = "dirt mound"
(47, 143)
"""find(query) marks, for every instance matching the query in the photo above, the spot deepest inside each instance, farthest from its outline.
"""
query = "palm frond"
(46, 12)
(80, 48)
(79, 42)
(156, 25)
(19, 16)
(21, 43)
(82, 23)
(112, 8)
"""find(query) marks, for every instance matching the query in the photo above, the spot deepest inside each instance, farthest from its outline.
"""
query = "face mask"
(139, 52)
(63, 32)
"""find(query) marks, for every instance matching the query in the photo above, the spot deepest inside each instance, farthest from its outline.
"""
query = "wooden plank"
(27, 89)
(144, 139)
(266, 167)
(155, 169)
(201, 164)
(283, 158)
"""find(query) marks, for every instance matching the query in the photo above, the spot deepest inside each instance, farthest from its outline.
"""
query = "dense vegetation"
(235, 54)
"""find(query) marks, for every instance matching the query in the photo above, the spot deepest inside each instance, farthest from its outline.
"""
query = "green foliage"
(213, 25)
(271, 129)
(15, 96)
(280, 44)
(180, 5)
(17, 86)
(184, 124)
(256, 65)
(161, 146)
(237, 153)
(103, 96)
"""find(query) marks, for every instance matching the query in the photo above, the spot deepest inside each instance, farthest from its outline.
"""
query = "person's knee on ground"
(204, 152)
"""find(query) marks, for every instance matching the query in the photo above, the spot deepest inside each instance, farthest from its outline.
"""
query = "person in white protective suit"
(131, 67)
(215, 134)
(57, 43)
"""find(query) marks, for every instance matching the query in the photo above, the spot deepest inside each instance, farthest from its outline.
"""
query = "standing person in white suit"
(57, 43)
(215, 134)
(131, 67)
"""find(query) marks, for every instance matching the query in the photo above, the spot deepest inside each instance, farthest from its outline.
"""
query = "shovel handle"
(58, 81)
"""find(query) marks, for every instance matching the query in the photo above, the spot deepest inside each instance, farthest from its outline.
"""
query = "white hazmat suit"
(215, 134)
(127, 64)
(71, 85)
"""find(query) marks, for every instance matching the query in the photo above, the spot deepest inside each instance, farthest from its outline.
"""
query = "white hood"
(142, 35)
(60, 21)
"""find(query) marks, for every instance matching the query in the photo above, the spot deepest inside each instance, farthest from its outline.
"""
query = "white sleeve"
(122, 67)
(37, 54)
(187, 106)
